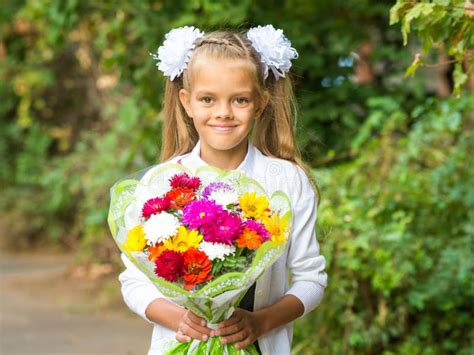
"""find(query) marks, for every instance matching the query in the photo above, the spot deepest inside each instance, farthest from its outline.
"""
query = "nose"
(223, 110)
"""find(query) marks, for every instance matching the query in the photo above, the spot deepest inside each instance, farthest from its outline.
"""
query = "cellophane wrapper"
(217, 300)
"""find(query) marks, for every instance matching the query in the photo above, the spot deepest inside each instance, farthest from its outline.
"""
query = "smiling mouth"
(223, 128)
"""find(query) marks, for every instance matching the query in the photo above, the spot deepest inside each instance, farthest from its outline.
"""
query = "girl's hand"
(192, 326)
(242, 328)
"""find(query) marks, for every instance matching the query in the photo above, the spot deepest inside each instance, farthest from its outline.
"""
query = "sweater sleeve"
(304, 262)
(137, 290)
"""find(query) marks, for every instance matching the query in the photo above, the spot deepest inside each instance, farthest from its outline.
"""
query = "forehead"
(222, 74)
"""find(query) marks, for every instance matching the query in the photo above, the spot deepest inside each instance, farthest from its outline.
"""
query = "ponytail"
(179, 135)
(274, 131)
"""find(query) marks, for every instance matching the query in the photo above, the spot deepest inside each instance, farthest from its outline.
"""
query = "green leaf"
(460, 78)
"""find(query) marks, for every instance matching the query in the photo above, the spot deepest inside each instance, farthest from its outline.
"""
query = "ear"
(184, 99)
(263, 104)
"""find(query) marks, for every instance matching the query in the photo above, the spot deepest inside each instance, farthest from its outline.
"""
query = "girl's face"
(222, 103)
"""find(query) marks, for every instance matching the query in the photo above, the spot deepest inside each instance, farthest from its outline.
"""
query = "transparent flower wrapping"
(217, 299)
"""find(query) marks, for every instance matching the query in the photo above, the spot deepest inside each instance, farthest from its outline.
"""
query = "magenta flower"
(185, 181)
(225, 229)
(200, 212)
(258, 228)
(155, 206)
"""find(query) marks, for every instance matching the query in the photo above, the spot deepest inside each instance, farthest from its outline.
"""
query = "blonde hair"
(274, 131)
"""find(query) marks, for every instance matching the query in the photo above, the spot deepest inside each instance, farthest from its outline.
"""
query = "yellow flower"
(254, 206)
(277, 227)
(184, 240)
(135, 239)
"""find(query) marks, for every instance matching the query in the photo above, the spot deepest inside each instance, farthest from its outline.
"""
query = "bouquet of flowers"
(203, 239)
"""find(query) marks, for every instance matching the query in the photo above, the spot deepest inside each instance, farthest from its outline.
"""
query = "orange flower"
(197, 268)
(180, 197)
(156, 251)
(249, 239)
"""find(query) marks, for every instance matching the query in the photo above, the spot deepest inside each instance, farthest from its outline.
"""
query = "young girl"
(228, 103)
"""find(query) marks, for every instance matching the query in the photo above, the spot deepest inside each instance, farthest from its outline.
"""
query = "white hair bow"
(173, 56)
(274, 48)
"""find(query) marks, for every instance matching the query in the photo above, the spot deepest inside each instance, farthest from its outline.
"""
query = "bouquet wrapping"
(202, 238)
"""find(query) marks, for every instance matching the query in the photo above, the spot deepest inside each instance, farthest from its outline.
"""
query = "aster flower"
(224, 229)
(259, 228)
(135, 239)
(169, 265)
(200, 212)
(225, 198)
(254, 206)
(180, 196)
(184, 240)
(214, 186)
(185, 181)
(160, 227)
(217, 250)
(155, 205)
(197, 268)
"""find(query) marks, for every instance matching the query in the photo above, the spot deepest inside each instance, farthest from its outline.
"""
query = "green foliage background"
(80, 108)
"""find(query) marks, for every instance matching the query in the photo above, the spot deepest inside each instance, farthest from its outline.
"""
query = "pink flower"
(183, 180)
(155, 206)
(200, 212)
(224, 229)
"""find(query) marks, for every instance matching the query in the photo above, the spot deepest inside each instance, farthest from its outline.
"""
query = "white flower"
(274, 48)
(173, 56)
(224, 198)
(160, 227)
(216, 250)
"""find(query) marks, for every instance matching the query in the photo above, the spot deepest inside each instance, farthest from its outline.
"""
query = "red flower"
(179, 197)
(183, 180)
(169, 265)
(155, 205)
(197, 267)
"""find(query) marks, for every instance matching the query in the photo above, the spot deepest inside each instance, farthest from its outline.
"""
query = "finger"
(182, 338)
(196, 319)
(243, 344)
(193, 333)
(237, 337)
(196, 327)
(236, 318)
(231, 329)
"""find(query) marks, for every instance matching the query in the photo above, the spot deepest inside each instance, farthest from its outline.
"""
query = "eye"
(242, 100)
(206, 100)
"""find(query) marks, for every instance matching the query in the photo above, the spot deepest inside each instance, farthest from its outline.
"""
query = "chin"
(218, 143)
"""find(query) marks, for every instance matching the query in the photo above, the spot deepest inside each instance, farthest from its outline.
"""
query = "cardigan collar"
(246, 165)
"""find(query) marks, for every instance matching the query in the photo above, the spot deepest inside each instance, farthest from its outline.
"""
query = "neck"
(226, 159)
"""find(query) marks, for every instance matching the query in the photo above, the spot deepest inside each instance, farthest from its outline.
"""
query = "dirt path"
(42, 312)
